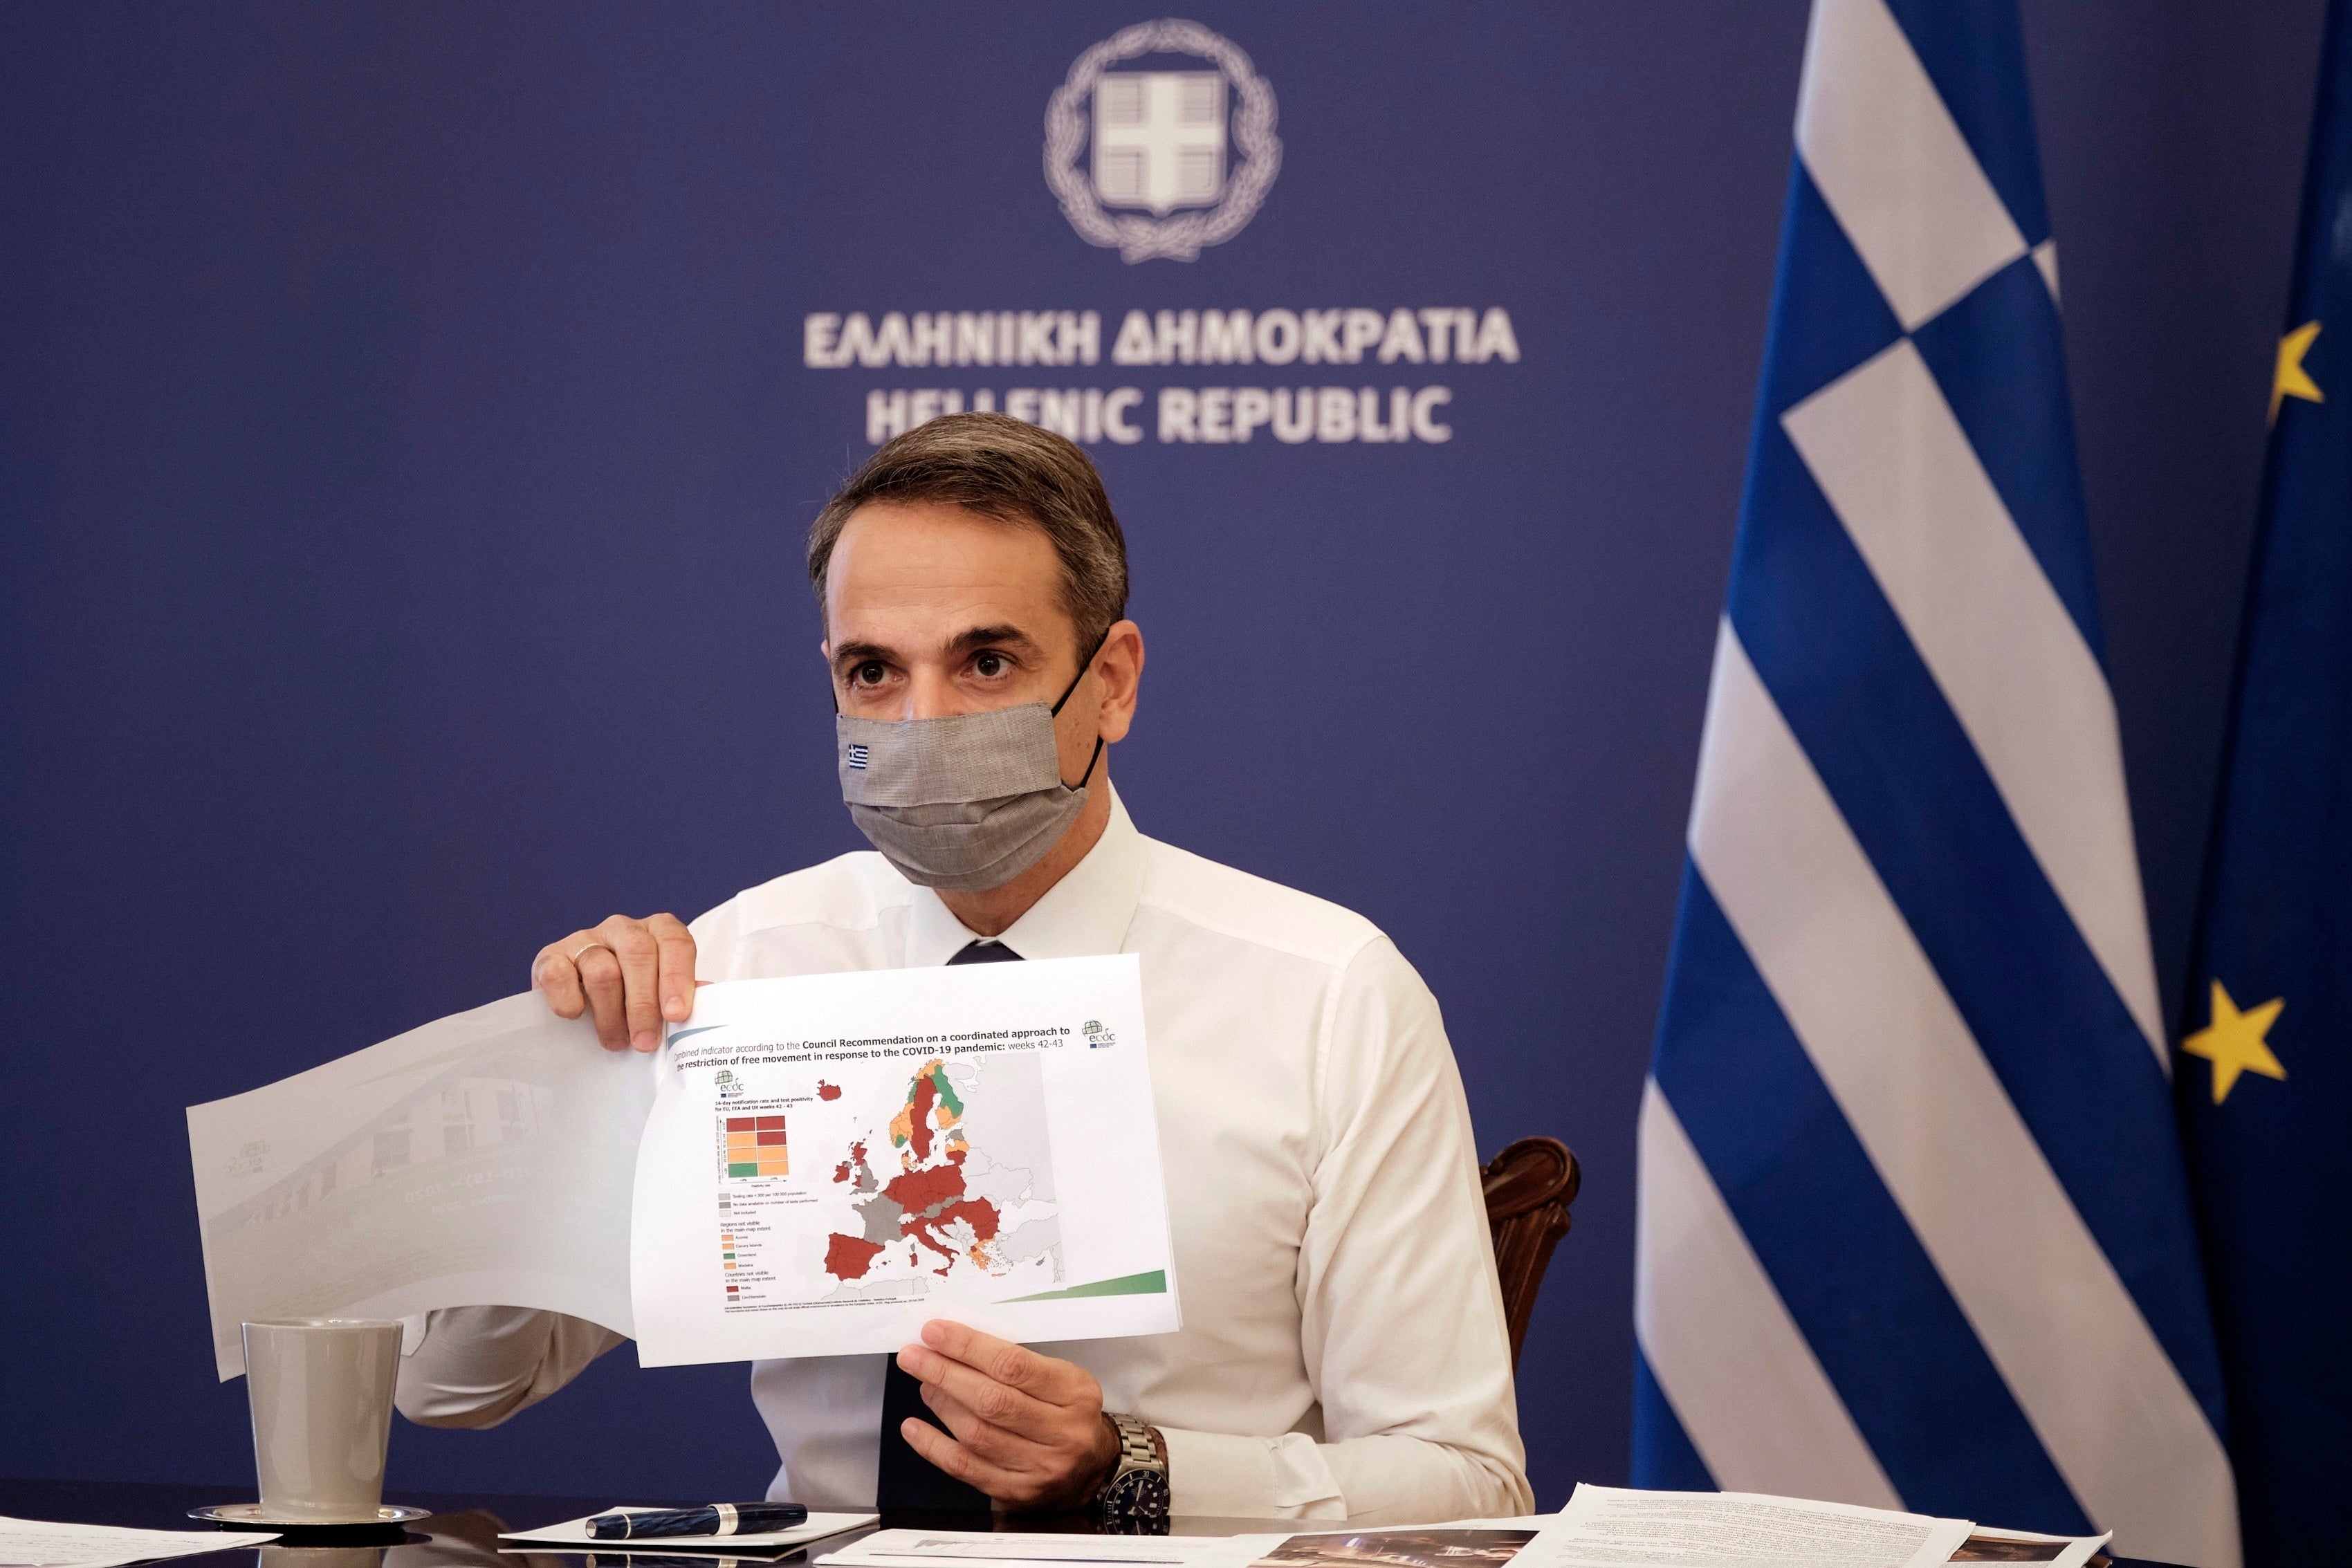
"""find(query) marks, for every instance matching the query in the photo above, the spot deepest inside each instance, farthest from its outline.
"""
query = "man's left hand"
(1028, 1429)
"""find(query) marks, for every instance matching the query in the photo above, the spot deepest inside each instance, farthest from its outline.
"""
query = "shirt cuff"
(1216, 1475)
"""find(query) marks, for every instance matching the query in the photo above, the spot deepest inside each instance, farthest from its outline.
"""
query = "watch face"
(1137, 1502)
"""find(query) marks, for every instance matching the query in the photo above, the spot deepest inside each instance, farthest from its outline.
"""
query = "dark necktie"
(906, 1479)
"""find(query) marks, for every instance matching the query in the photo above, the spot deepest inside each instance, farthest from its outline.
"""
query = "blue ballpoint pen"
(713, 1518)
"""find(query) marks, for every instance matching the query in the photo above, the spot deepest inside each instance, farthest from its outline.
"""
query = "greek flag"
(1913, 1230)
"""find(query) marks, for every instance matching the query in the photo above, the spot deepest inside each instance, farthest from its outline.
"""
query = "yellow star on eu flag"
(2291, 380)
(2233, 1041)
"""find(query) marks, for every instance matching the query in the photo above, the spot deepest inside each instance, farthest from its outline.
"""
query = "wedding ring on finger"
(588, 947)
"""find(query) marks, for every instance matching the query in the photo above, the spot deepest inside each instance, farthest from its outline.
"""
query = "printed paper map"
(834, 1159)
(809, 1166)
(942, 1205)
(890, 1181)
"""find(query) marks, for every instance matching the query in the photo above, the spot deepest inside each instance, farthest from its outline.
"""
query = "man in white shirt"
(1344, 1352)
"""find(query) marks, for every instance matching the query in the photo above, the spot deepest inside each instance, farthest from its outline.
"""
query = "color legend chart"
(755, 1193)
(755, 1147)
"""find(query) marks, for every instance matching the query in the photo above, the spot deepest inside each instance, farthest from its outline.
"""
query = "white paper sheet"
(38, 1543)
(1457, 1544)
(976, 1142)
(1983, 1543)
(1467, 1544)
(575, 1532)
(910, 1548)
(484, 1159)
(1608, 1527)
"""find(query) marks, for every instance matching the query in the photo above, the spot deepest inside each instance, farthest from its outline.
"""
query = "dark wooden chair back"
(1528, 1188)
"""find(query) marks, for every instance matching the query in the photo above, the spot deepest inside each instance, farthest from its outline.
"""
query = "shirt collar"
(1085, 914)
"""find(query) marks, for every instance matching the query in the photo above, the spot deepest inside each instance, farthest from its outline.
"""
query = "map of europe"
(950, 1179)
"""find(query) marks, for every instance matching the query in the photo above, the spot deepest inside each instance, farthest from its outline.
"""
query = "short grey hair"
(1010, 470)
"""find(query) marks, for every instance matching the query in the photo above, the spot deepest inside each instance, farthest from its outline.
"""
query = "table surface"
(463, 1531)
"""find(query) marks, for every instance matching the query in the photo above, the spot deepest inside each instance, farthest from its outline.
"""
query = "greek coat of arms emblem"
(1160, 162)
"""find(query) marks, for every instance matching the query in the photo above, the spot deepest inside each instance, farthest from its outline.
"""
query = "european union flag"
(2265, 1079)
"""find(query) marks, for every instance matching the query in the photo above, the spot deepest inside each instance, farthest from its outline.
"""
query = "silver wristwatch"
(1134, 1501)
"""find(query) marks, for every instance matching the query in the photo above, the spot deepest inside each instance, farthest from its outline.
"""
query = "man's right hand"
(631, 974)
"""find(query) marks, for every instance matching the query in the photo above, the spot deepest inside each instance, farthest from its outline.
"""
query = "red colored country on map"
(848, 1257)
(827, 1091)
(918, 1190)
(976, 1212)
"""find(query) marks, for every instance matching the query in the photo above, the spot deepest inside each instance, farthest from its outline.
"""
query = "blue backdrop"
(409, 433)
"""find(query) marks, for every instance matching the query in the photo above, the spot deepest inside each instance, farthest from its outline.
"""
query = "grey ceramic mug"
(320, 1390)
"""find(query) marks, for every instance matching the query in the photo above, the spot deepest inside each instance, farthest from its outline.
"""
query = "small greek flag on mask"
(856, 754)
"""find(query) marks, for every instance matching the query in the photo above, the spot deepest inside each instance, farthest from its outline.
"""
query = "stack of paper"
(38, 1543)
(1602, 1527)
(1607, 1527)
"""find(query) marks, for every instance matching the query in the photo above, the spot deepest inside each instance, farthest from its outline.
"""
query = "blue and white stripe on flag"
(1913, 1230)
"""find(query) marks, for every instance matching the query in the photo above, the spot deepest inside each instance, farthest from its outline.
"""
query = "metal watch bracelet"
(1135, 1496)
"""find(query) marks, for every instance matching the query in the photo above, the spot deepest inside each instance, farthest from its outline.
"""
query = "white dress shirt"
(1344, 1352)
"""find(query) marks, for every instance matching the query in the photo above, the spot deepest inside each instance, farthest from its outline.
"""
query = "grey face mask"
(963, 804)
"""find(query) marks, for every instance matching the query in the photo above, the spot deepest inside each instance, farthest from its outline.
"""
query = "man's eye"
(868, 673)
(988, 666)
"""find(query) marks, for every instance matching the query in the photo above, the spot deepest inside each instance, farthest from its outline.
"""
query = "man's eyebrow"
(963, 642)
(991, 636)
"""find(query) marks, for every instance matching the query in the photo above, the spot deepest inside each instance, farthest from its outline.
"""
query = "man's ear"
(1124, 645)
